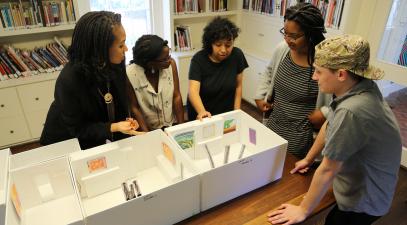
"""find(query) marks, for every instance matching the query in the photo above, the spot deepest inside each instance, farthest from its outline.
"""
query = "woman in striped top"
(287, 89)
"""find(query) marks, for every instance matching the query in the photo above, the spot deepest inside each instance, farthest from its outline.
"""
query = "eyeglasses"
(290, 37)
(163, 60)
(166, 59)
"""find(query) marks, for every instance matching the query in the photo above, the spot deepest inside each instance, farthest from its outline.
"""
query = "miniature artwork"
(185, 140)
(97, 164)
(16, 200)
(252, 136)
(229, 126)
(168, 153)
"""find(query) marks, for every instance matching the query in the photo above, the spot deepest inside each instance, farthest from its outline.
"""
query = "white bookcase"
(196, 21)
(260, 36)
(25, 101)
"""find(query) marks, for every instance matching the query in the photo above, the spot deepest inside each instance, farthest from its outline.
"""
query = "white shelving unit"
(196, 22)
(260, 36)
(37, 30)
(25, 101)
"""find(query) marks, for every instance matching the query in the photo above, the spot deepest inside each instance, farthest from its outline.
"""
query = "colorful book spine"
(13, 70)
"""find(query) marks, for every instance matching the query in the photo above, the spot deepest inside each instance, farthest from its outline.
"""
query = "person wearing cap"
(154, 77)
(286, 93)
(360, 140)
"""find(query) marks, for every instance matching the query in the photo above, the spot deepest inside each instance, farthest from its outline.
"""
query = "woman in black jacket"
(94, 101)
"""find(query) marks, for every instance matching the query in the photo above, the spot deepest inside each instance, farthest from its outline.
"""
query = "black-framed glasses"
(290, 37)
(166, 59)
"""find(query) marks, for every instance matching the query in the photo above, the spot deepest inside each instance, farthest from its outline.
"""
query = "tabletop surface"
(253, 207)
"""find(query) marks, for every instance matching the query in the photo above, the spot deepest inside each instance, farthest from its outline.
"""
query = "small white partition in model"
(138, 180)
(4, 158)
(44, 153)
(40, 188)
(43, 194)
(234, 153)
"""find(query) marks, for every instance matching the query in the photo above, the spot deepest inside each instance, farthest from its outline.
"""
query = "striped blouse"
(295, 95)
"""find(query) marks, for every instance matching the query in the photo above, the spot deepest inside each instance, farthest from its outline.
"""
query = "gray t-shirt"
(362, 132)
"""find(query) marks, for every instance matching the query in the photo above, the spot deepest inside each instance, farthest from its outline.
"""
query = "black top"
(218, 81)
(79, 110)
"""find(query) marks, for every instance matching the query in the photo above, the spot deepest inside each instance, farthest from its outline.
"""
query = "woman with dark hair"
(93, 95)
(216, 72)
(287, 90)
(154, 77)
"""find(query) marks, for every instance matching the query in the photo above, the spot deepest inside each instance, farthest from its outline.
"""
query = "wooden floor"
(396, 216)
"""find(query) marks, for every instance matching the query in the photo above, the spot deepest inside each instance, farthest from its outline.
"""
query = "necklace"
(108, 97)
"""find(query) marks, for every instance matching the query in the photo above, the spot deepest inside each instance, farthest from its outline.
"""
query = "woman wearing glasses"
(153, 74)
(216, 72)
(287, 95)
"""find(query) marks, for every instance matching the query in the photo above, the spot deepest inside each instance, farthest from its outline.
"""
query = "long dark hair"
(311, 22)
(91, 40)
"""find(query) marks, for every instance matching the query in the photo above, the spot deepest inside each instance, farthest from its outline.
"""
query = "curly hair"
(147, 48)
(311, 22)
(218, 29)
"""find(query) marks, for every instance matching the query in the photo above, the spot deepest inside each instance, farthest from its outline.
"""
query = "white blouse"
(156, 107)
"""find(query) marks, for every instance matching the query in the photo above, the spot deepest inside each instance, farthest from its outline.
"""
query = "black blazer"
(79, 110)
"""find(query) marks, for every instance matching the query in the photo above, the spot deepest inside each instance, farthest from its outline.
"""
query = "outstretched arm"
(302, 166)
(322, 180)
(196, 101)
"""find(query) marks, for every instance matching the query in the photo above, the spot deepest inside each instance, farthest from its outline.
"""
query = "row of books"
(182, 37)
(402, 61)
(15, 63)
(197, 6)
(36, 13)
(218, 5)
(268, 7)
(331, 9)
(188, 6)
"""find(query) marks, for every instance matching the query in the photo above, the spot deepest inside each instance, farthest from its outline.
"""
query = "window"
(393, 47)
(136, 18)
(392, 55)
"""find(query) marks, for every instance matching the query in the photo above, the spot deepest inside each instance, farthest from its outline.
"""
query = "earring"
(152, 70)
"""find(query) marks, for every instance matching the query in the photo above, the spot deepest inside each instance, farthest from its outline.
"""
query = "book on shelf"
(218, 5)
(14, 72)
(331, 10)
(35, 13)
(183, 41)
(246, 4)
(188, 6)
(15, 63)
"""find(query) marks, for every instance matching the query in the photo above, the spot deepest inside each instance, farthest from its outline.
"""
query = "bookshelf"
(262, 28)
(26, 99)
(260, 33)
(193, 16)
(38, 30)
(331, 9)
